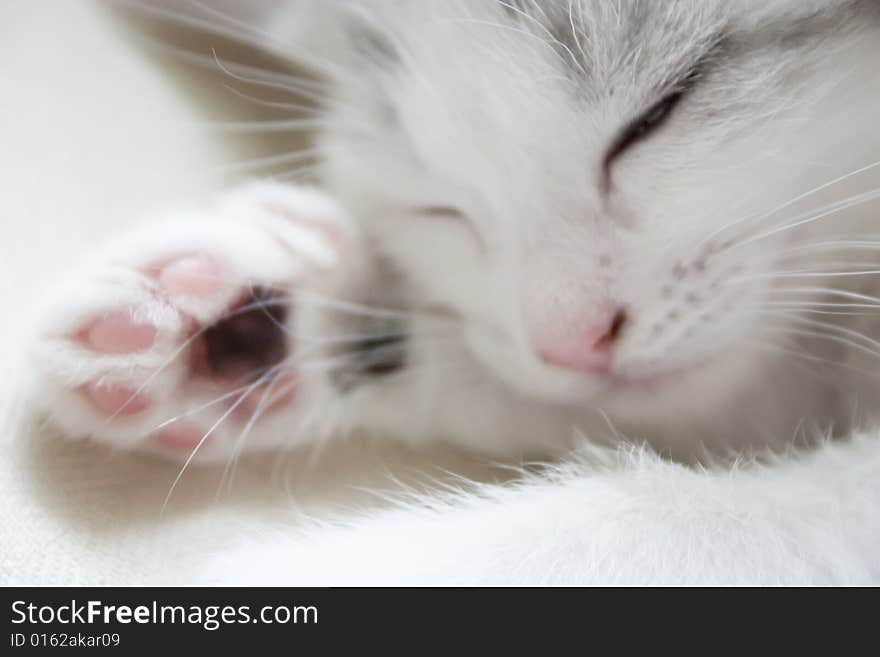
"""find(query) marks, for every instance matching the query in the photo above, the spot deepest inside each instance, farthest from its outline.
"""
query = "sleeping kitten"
(539, 222)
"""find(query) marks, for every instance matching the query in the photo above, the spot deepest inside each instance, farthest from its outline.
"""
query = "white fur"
(488, 117)
(609, 519)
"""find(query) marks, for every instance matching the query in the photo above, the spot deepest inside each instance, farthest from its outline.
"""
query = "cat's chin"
(671, 395)
(648, 393)
(707, 377)
(652, 381)
(567, 388)
(626, 381)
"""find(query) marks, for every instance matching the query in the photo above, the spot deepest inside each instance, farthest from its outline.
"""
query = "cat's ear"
(315, 33)
(300, 30)
(252, 15)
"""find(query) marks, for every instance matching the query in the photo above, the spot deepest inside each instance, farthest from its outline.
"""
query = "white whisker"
(813, 216)
(256, 384)
(790, 202)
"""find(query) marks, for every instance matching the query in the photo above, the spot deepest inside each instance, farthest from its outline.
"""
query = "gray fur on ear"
(312, 33)
(317, 33)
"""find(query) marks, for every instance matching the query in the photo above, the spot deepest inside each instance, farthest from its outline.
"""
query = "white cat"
(543, 226)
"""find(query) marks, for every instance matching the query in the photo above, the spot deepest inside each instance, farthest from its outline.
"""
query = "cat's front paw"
(182, 338)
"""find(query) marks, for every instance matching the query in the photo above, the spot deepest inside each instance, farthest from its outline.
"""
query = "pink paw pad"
(184, 438)
(116, 399)
(279, 394)
(119, 333)
(329, 232)
(193, 276)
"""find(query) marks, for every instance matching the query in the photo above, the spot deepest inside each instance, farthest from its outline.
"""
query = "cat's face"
(595, 187)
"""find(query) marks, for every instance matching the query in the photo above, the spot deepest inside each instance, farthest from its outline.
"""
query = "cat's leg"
(636, 520)
(193, 332)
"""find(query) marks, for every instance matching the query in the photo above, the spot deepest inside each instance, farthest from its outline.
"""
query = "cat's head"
(604, 191)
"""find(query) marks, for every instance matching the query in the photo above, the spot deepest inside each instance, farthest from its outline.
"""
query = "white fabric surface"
(94, 131)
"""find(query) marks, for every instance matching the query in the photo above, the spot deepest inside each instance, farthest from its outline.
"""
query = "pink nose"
(591, 351)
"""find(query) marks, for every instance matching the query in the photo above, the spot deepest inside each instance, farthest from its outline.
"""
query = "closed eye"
(450, 213)
(442, 212)
(646, 124)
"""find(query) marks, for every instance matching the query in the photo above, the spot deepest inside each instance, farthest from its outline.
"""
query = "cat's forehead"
(624, 43)
(574, 70)
(615, 24)
(641, 40)
(596, 35)
(650, 41)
